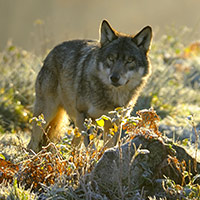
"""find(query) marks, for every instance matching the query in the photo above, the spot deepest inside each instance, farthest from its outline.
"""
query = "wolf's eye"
(130, 59)
(111, 58)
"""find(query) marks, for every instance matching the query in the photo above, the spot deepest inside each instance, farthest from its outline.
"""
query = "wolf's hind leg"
(49, 110)
(77, 141)
(53, 129)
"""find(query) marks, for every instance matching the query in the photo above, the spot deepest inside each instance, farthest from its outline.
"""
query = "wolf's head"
(122, 59)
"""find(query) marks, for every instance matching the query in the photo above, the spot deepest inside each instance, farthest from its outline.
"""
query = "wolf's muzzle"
(114, 79)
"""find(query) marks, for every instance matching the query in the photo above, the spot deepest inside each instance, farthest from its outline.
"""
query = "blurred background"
(38, 25)
(30, 28)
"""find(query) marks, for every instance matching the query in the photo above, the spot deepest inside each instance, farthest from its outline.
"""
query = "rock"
(129, 170)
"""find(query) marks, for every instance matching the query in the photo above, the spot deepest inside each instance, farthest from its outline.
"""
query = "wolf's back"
(66, 64)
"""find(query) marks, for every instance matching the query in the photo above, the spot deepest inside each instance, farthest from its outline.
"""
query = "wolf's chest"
(95, 112)
(120, 97)
(114, 98)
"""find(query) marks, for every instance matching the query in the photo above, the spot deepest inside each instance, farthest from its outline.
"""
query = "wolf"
(90, 78)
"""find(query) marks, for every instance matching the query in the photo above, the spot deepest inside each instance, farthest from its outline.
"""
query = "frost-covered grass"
(18, 71)
(173, 90)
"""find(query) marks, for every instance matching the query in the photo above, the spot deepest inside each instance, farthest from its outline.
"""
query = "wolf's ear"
(143, 38)
(106, 32)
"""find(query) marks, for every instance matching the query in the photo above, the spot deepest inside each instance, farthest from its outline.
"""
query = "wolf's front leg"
(77, 141)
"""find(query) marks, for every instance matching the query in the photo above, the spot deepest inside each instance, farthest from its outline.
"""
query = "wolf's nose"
(115, 78)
